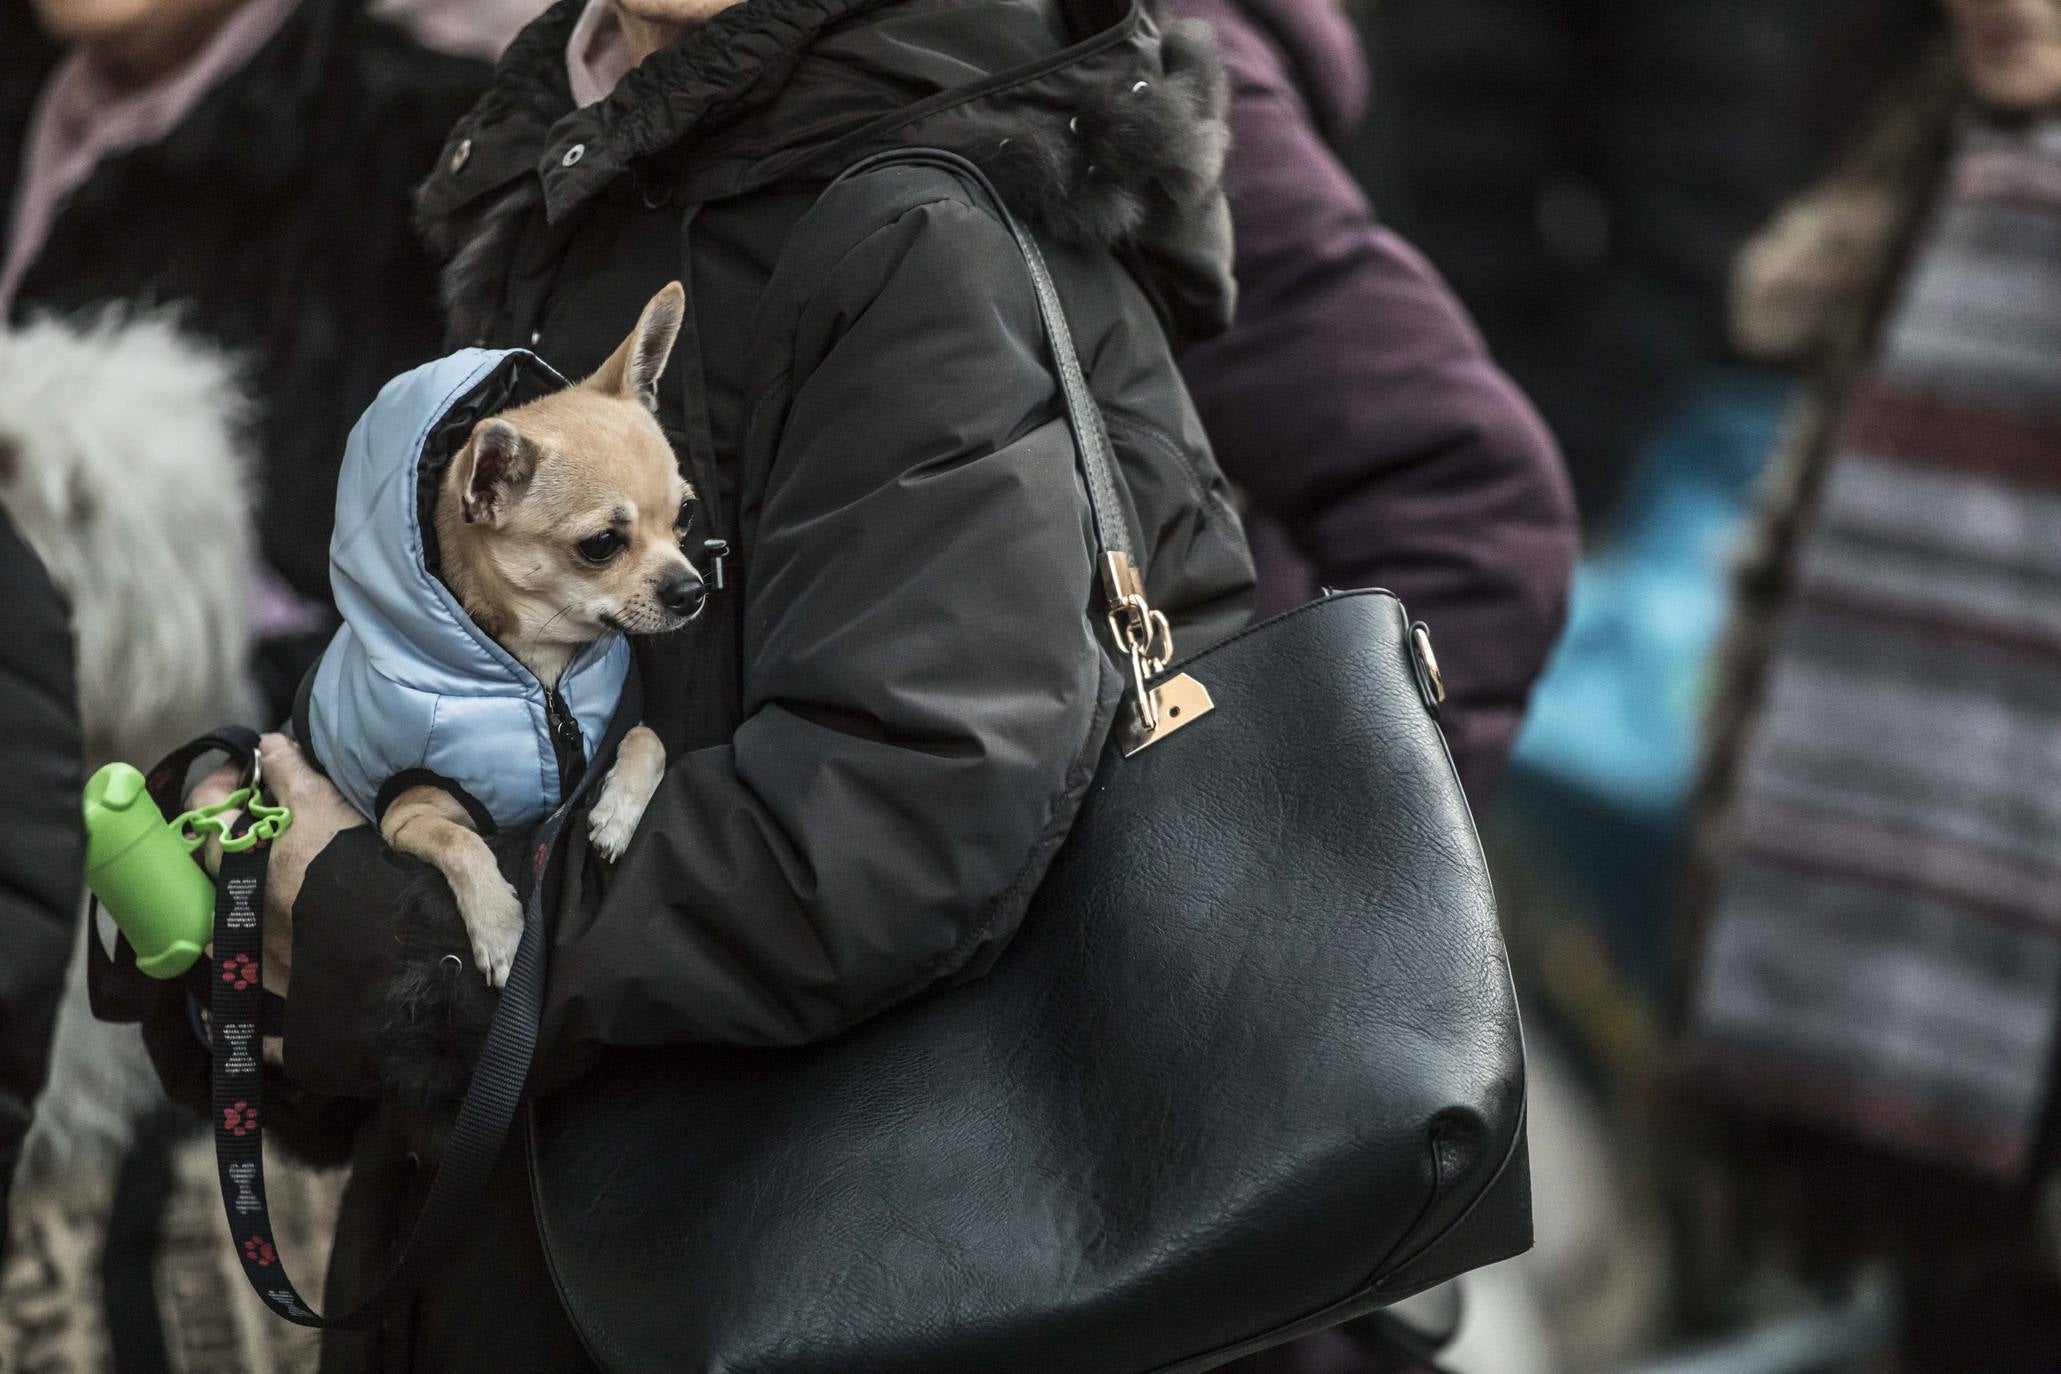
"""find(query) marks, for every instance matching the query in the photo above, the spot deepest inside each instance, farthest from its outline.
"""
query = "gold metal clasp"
(1146, 640)
(1140, 631)
(1142, 634)
(1178, 702)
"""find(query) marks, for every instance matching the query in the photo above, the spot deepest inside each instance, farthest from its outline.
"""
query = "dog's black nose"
(684, 594)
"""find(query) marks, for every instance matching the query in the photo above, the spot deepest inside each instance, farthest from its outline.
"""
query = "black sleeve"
(42, 856)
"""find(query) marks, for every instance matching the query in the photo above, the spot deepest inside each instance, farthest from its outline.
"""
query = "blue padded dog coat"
(410, 685)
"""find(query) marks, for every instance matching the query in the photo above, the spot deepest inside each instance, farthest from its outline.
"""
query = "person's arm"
(44, 851)
(922, 689)
(923, 697)
(1354, 403)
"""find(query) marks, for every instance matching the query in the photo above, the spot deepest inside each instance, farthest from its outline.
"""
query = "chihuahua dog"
(558, 522)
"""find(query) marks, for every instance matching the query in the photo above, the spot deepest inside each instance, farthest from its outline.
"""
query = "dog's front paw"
(493, 923)
(614, 819)
(640, 762)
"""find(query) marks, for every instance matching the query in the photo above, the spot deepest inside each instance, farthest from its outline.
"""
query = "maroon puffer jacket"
(1354, 402)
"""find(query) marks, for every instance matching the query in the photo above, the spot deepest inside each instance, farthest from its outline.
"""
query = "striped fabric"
(1884, 957)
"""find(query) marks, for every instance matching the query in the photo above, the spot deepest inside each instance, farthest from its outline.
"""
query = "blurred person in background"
(1376, 442)
(45, 849)
(244, 166)
(138, 509)
(1877, 974)
(1584, 172)
(249, 163)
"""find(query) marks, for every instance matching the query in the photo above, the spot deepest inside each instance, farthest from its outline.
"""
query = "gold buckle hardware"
(1142, 634)
(1146, 640)
(1178, 702)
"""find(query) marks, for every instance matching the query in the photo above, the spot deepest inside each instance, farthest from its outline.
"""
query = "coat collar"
(258, 122)
(734, 60)
(721, 106)
(1115, 138)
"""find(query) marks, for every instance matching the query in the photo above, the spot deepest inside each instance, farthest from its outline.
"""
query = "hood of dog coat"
(410, 686)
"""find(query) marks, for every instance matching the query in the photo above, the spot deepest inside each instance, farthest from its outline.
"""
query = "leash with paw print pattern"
(237, 1023)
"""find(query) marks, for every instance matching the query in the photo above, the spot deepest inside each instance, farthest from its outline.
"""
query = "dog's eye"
(684, 521)
(599, 548)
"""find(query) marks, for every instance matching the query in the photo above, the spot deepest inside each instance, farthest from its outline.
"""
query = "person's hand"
(320, 812)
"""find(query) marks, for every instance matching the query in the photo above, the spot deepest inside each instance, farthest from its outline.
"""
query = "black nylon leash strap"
(484, 1117)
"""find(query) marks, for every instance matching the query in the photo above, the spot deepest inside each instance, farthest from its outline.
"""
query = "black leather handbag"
(1251, 1067)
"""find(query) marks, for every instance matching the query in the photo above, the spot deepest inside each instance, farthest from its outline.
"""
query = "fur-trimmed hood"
(1098, 121)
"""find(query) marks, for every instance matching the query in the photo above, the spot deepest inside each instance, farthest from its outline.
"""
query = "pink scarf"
(82, 118)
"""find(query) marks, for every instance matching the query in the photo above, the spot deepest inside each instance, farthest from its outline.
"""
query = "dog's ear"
(492, 468)
(632, 370)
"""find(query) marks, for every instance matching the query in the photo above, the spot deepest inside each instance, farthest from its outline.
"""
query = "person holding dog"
(860, 398)
(39, 868)
(874, 730)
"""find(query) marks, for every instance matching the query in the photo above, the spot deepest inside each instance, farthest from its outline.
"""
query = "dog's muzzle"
(685, 595)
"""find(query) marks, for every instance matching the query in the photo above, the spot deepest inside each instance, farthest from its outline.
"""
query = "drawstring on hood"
(411, 690)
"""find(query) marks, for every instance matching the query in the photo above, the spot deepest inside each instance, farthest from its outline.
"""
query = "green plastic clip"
(196, 827)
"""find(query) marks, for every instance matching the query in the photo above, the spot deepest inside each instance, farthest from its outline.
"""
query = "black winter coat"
(276, 217)
(878, 729)
(874, 734)
(42, 842)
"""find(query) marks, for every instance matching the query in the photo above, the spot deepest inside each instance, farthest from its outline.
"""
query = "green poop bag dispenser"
(141, 866)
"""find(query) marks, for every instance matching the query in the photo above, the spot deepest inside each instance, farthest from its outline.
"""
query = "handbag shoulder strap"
(1141, 634)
